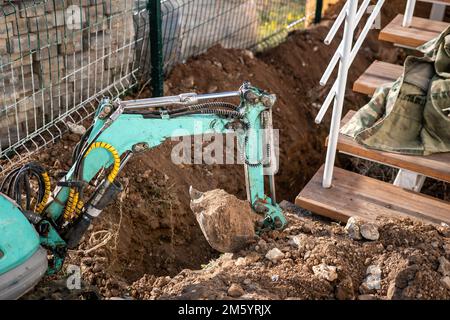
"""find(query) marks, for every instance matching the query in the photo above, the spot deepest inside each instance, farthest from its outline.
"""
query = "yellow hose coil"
(115, 170)
(74, 204)
(47, 192)
(79, 207)
(71, 204)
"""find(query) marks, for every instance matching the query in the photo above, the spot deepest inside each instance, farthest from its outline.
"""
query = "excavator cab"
(23, 261)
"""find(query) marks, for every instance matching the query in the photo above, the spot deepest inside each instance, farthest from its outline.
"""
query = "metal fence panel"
(190, 27)
(59, 57)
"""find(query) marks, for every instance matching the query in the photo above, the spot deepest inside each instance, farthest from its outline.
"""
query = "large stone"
(352, 228)
(227, 223)
(372, 281)
(50, 37)
(50, 65)
(95, 12)
(274, 255)
(31, 8)
(369, 231)
(20, 27)
(100, 41)
(77, 129)
(41, 23)
(23, 43)
(6, 28)
(405, 276)
(53, 5)
(324, 271)
(46, 53)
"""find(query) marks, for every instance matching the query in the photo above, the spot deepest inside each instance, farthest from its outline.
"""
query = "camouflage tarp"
(412, 116)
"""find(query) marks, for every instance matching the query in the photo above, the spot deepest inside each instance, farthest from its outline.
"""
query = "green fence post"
(156, 48)
(319, 6)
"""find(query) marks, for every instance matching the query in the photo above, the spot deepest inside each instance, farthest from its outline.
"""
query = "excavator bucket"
(227, 223)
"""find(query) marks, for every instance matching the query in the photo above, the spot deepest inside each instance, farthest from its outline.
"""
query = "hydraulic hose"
(116, 166)
(17, 182)
(219, 108)
(74, 203)
(47, 191)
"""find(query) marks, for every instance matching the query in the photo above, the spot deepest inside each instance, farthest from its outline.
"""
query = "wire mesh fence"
(190, 27)
(59, 57)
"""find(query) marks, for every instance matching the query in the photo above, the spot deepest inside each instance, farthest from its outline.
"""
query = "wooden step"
(436, 166)
(377, 74)
(421, 31)
(446, 2)
(356, 195)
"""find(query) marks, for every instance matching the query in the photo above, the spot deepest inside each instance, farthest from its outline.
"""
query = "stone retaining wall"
(54, 54)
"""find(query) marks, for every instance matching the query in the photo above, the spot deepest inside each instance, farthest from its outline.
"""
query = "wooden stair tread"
(377, 74)
(446, 2)
(356, 195)
(421, 31)
(436, 166)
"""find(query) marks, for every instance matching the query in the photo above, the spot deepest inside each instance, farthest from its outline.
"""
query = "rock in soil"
(227, 223)
(326, 272)
(372, 282)
(358, 229)
(77, 129)
(352, 228)
(369, 231)
(274, 255)
(235, 291)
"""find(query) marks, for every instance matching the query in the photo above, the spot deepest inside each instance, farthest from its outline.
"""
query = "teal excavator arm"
(123, 128)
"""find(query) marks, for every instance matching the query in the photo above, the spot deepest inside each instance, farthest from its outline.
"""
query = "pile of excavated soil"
(316, 260)
(149, 238)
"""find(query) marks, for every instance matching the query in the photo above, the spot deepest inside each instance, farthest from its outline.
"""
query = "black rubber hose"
(18, 181)
(8, 181)
(171, 112)
(220, 112)
(81, 143)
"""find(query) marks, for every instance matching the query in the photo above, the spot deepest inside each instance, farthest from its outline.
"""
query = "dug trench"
(147, 243)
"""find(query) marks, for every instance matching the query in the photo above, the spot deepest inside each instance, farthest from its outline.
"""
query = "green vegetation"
(275, 17)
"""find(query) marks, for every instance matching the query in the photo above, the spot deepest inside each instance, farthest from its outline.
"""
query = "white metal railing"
(409, 13)
(437, 11)
(345, 55)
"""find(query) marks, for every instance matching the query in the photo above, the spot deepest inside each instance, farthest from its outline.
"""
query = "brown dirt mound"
(402, 264)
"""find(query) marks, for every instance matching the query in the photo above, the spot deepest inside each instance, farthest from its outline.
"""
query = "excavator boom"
(121, 129)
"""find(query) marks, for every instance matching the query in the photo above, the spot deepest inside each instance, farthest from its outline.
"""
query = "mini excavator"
(38, 226)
